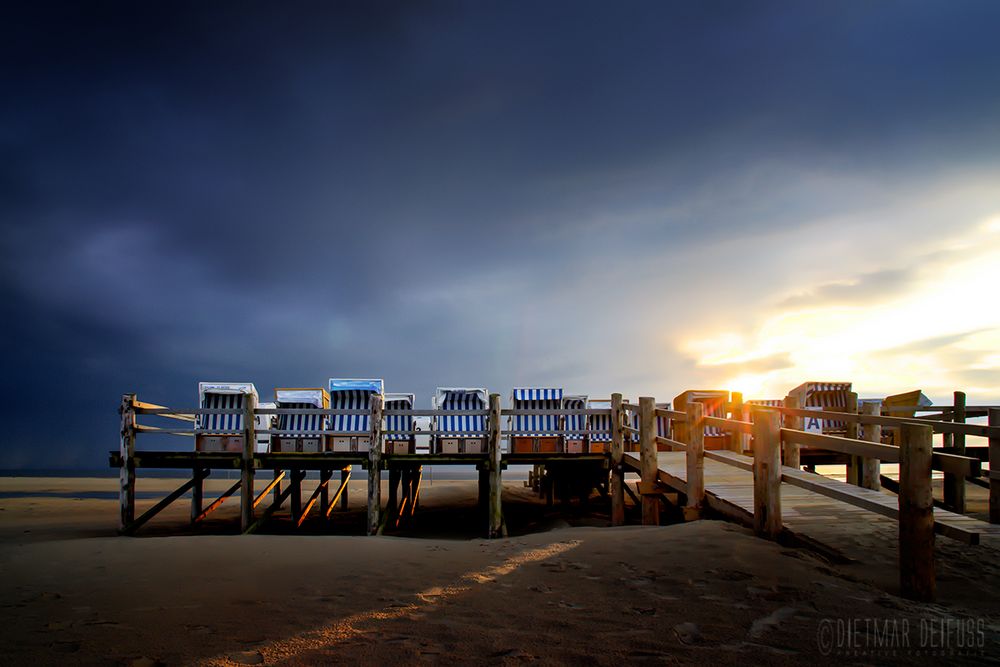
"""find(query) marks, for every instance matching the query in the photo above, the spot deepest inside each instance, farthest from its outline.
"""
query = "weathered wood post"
(617, 455)
(853, 462)
(375, 467)
(496, 489)
(871, 468)
(695, 459)
(793, 456)
(647, 461)
(735, 441)
(767, 473)
(994, 421)
(345, 475)
(954, 485)
(744, 437)
(126, 473)
(246, 463)
(198, 491)
(916, 513)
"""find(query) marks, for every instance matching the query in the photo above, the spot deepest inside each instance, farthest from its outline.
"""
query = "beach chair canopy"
(600, 424)
(396, 401)
(575, 422)
(313, 397)
(911, 399)
(715, 401)
(826, 396)
(352, 394)
(536, 398)
(223, 396)
(460, 398)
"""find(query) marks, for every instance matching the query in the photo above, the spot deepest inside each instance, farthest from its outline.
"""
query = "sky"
(642, 197)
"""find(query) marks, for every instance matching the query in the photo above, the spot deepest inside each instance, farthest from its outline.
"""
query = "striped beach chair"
(352, 433)
(399, 443)
(301, 433)
(829, 396)
(663, 429)
(535, 433)
(716, 404)
(222, 432)
(576, 443)
(600, 427)
(460, 434)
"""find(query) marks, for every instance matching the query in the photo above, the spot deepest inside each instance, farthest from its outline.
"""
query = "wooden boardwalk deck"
(811, 505)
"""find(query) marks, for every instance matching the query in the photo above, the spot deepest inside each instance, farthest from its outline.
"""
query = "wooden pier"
(758, 482)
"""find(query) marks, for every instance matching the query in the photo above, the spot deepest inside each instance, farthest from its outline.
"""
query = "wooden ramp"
(811, 504)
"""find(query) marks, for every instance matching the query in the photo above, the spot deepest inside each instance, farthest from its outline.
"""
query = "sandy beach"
(564, 589)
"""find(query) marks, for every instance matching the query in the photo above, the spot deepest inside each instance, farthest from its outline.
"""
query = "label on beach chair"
(812, 424)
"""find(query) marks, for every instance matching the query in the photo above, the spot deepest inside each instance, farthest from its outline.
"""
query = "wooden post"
(647, 461)
(695, 459)
(617, 455)
(277, 488)
(126, 474)
(345, 475)
(744, 438)
(735, 442)
(994, 421)
(375, 467)
(393, 503)
(853, 462)
(295, 498)
(871, 469)
(916, 513)
(767, 473)
(324, 494)
(247, 467)
(954, 485)
(793, 456)
(198, 491)
(495, 481)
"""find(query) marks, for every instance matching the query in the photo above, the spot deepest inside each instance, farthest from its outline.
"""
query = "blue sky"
(642, 197)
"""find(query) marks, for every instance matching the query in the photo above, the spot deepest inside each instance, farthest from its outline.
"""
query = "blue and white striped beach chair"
(399, 443)
(301, 433)
(460, 434)
(576, 443)
(222, 432)
(536, 433)
(600, 427)
(830, 396)
(352, 433)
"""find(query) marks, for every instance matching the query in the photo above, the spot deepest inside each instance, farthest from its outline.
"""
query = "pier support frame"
(375, 468)
(916, 513)
(246, 464)
(495, 503)
(617, 455)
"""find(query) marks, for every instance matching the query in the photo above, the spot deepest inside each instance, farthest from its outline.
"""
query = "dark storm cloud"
(283, 192)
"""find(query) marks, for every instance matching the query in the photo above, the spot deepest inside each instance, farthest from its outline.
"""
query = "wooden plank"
(694, 459)
(871, 466)
(375, 467)
(126, 471)
(671, 414)
(495, 501)
(160, 506)
(617, 454)
(838, 444)
(341, 494)
(731, 425)
(939, 426)
(673, 444)
(323, 483)
(142, 407)
(267, 489)
(647, 457)
(767, 474)
(916, 514)
(215, 504)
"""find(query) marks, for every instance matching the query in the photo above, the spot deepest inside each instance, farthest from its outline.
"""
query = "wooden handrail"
(939, 426)
(729, 424)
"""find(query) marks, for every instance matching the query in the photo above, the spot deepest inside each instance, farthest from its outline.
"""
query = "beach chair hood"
(536, 398)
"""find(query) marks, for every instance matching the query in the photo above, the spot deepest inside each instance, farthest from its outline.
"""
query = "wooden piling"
(126, 473)
(871, 469)
(647, 461)
(767, 473)
(994, 421)
(853, 462)
(916, 513)
(247, 466)
(375, 467)
(324, 494)
(345, 477)
(617, 456)
(295, 497)
(793, 456)
(695, 460)
(735, 441)
(198, 491)
(954, 484)
(495, 483)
